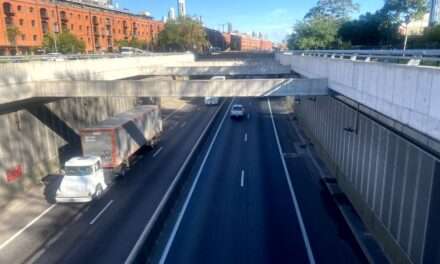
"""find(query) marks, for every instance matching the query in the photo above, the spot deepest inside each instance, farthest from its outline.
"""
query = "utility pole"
(55, 38)
(405, 43)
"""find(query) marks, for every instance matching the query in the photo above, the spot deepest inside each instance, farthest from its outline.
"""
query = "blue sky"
(272, 17)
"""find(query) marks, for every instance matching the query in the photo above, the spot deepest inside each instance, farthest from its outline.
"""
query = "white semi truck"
(107, 149)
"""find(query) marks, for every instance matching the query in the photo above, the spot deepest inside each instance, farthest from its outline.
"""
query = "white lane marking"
(183, 125)
(100, 213)
(191, 191)
(242, 179)
(135, 250)
(245, 137)
(4, 244)
(39, 253)
(157, 152)
(292, 191)
(175, 111)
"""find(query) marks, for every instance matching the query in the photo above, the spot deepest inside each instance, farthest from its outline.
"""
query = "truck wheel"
(98, 191)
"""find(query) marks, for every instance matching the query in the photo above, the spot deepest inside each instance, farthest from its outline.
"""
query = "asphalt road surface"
(253, 196)
(256, 198)
(106, 230)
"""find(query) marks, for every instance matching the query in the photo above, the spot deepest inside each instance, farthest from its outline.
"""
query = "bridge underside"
(25, 93)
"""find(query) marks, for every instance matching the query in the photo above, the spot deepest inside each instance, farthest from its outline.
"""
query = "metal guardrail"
(414, 57)
(62, 57)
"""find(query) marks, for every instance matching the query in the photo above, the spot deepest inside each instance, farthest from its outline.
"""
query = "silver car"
(237, 111)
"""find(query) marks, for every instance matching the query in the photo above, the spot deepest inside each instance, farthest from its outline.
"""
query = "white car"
(55, 56)
(83, 180)
(210, 100)
(219, 78)
(237, 111)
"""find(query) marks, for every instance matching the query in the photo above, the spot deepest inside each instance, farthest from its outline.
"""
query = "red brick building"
(98, 27)
(242, 42)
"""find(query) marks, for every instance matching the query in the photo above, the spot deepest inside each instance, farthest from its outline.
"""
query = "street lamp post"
(56, 30)
(405, 43)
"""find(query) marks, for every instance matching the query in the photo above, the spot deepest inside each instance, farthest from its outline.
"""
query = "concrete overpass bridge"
(376, 125)
(42, 81)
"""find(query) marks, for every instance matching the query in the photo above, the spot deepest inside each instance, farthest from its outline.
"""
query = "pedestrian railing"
(409, 57)
(66, 57)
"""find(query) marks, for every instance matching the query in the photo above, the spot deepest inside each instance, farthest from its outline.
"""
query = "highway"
(106, 230)
(252, 196)
(255, 198)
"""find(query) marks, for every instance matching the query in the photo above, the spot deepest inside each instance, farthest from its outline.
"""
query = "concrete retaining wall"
(393, 184)
(35, 141)
(407, 94)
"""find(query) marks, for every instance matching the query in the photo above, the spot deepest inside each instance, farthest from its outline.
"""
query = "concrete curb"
(152, 230)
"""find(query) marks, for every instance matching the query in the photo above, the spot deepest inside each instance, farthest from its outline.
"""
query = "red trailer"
(116, 139)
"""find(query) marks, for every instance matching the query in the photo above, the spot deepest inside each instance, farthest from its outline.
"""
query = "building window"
(23, 37)
(87, 17)
(79, 16)
(71, 27)
(31, 9)
(19, 8)
(33, 23)
(80, 28)
(35, 37)
(21, 22)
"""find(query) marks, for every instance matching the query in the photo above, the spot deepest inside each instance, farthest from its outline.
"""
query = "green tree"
(317, 33)
(320, 26)
(370, 30)
(184, 34)
(12, 32)
(403, 11)
(134, 43)
(334, 9)
(430, 38)
(66, 42)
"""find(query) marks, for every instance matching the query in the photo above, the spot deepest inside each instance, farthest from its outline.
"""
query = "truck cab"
(83, 180)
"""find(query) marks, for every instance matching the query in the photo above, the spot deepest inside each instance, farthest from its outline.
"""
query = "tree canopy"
(183, 34)
(405, 10)
(328, 25)
(64, 42)
(319, 28)
(134, 43)
(317, 33)
(334, 9)
(370, 30)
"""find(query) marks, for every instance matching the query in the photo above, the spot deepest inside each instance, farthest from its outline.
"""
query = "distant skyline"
(274, 18)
